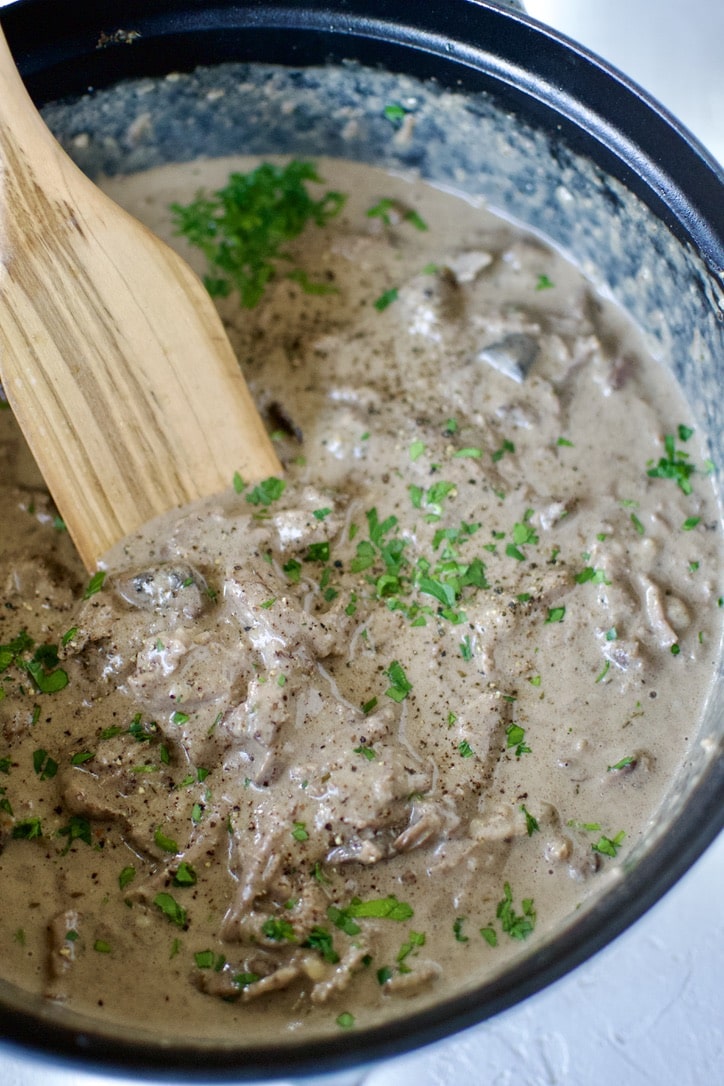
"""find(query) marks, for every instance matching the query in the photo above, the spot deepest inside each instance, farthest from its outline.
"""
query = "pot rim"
(473, 44)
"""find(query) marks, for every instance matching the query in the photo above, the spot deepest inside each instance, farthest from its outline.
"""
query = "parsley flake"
(515, 739)
(386, 299)
(171, 909)
(517, 926)
(531, 823)
(458, 929)
(368, 753)
(95, 584)
(609, 846)
(78, 829)
(400, 686)
(624, 763)
(266, 492)
(320, 939)
(675, 464)
(299, 832)
(278, 930)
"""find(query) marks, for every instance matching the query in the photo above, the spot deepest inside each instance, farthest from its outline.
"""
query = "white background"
(673, 48)
(649, 1010)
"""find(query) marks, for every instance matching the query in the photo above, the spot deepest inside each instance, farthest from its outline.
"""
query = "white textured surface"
(672, 48)
(647, 1011)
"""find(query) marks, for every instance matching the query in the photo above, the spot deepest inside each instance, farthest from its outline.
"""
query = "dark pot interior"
(505, 109)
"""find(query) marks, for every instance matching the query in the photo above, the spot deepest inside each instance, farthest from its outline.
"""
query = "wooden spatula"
(112, 355)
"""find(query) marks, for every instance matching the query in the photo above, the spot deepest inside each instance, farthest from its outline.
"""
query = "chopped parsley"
(515, 739)
(185, 875)
(385, 299)
(368, 753)
(243, 980)
(44, 766)
(126, 876)
(321, 940)
(242, 228)
(458, 930)
(110, 732)
(517, 926)
(431, 499)
(27, 829)
(638, 524)
(624, 763)
(42, 666)
(171, 909)
(391, 211)
(318, 552)
(95, 584)
(594, 576)
(415, 940)
(278, 930)
(293, 570)
(399, 686)
(387, 908)
(609, 846)
(207, 959)
(383, 908)
(81, 757)
(300, 832)
(143, 731)
(445, 577)
(523, 535)
(505, 447)
(531, 823)
(675, 464)
(603, 672)
(78, 829)
(266, 492)
(394, 111)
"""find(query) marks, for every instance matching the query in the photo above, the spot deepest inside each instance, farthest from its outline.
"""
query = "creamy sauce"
(369, 735)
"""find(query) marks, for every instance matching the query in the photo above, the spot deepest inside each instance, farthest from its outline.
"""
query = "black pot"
(548, 133)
